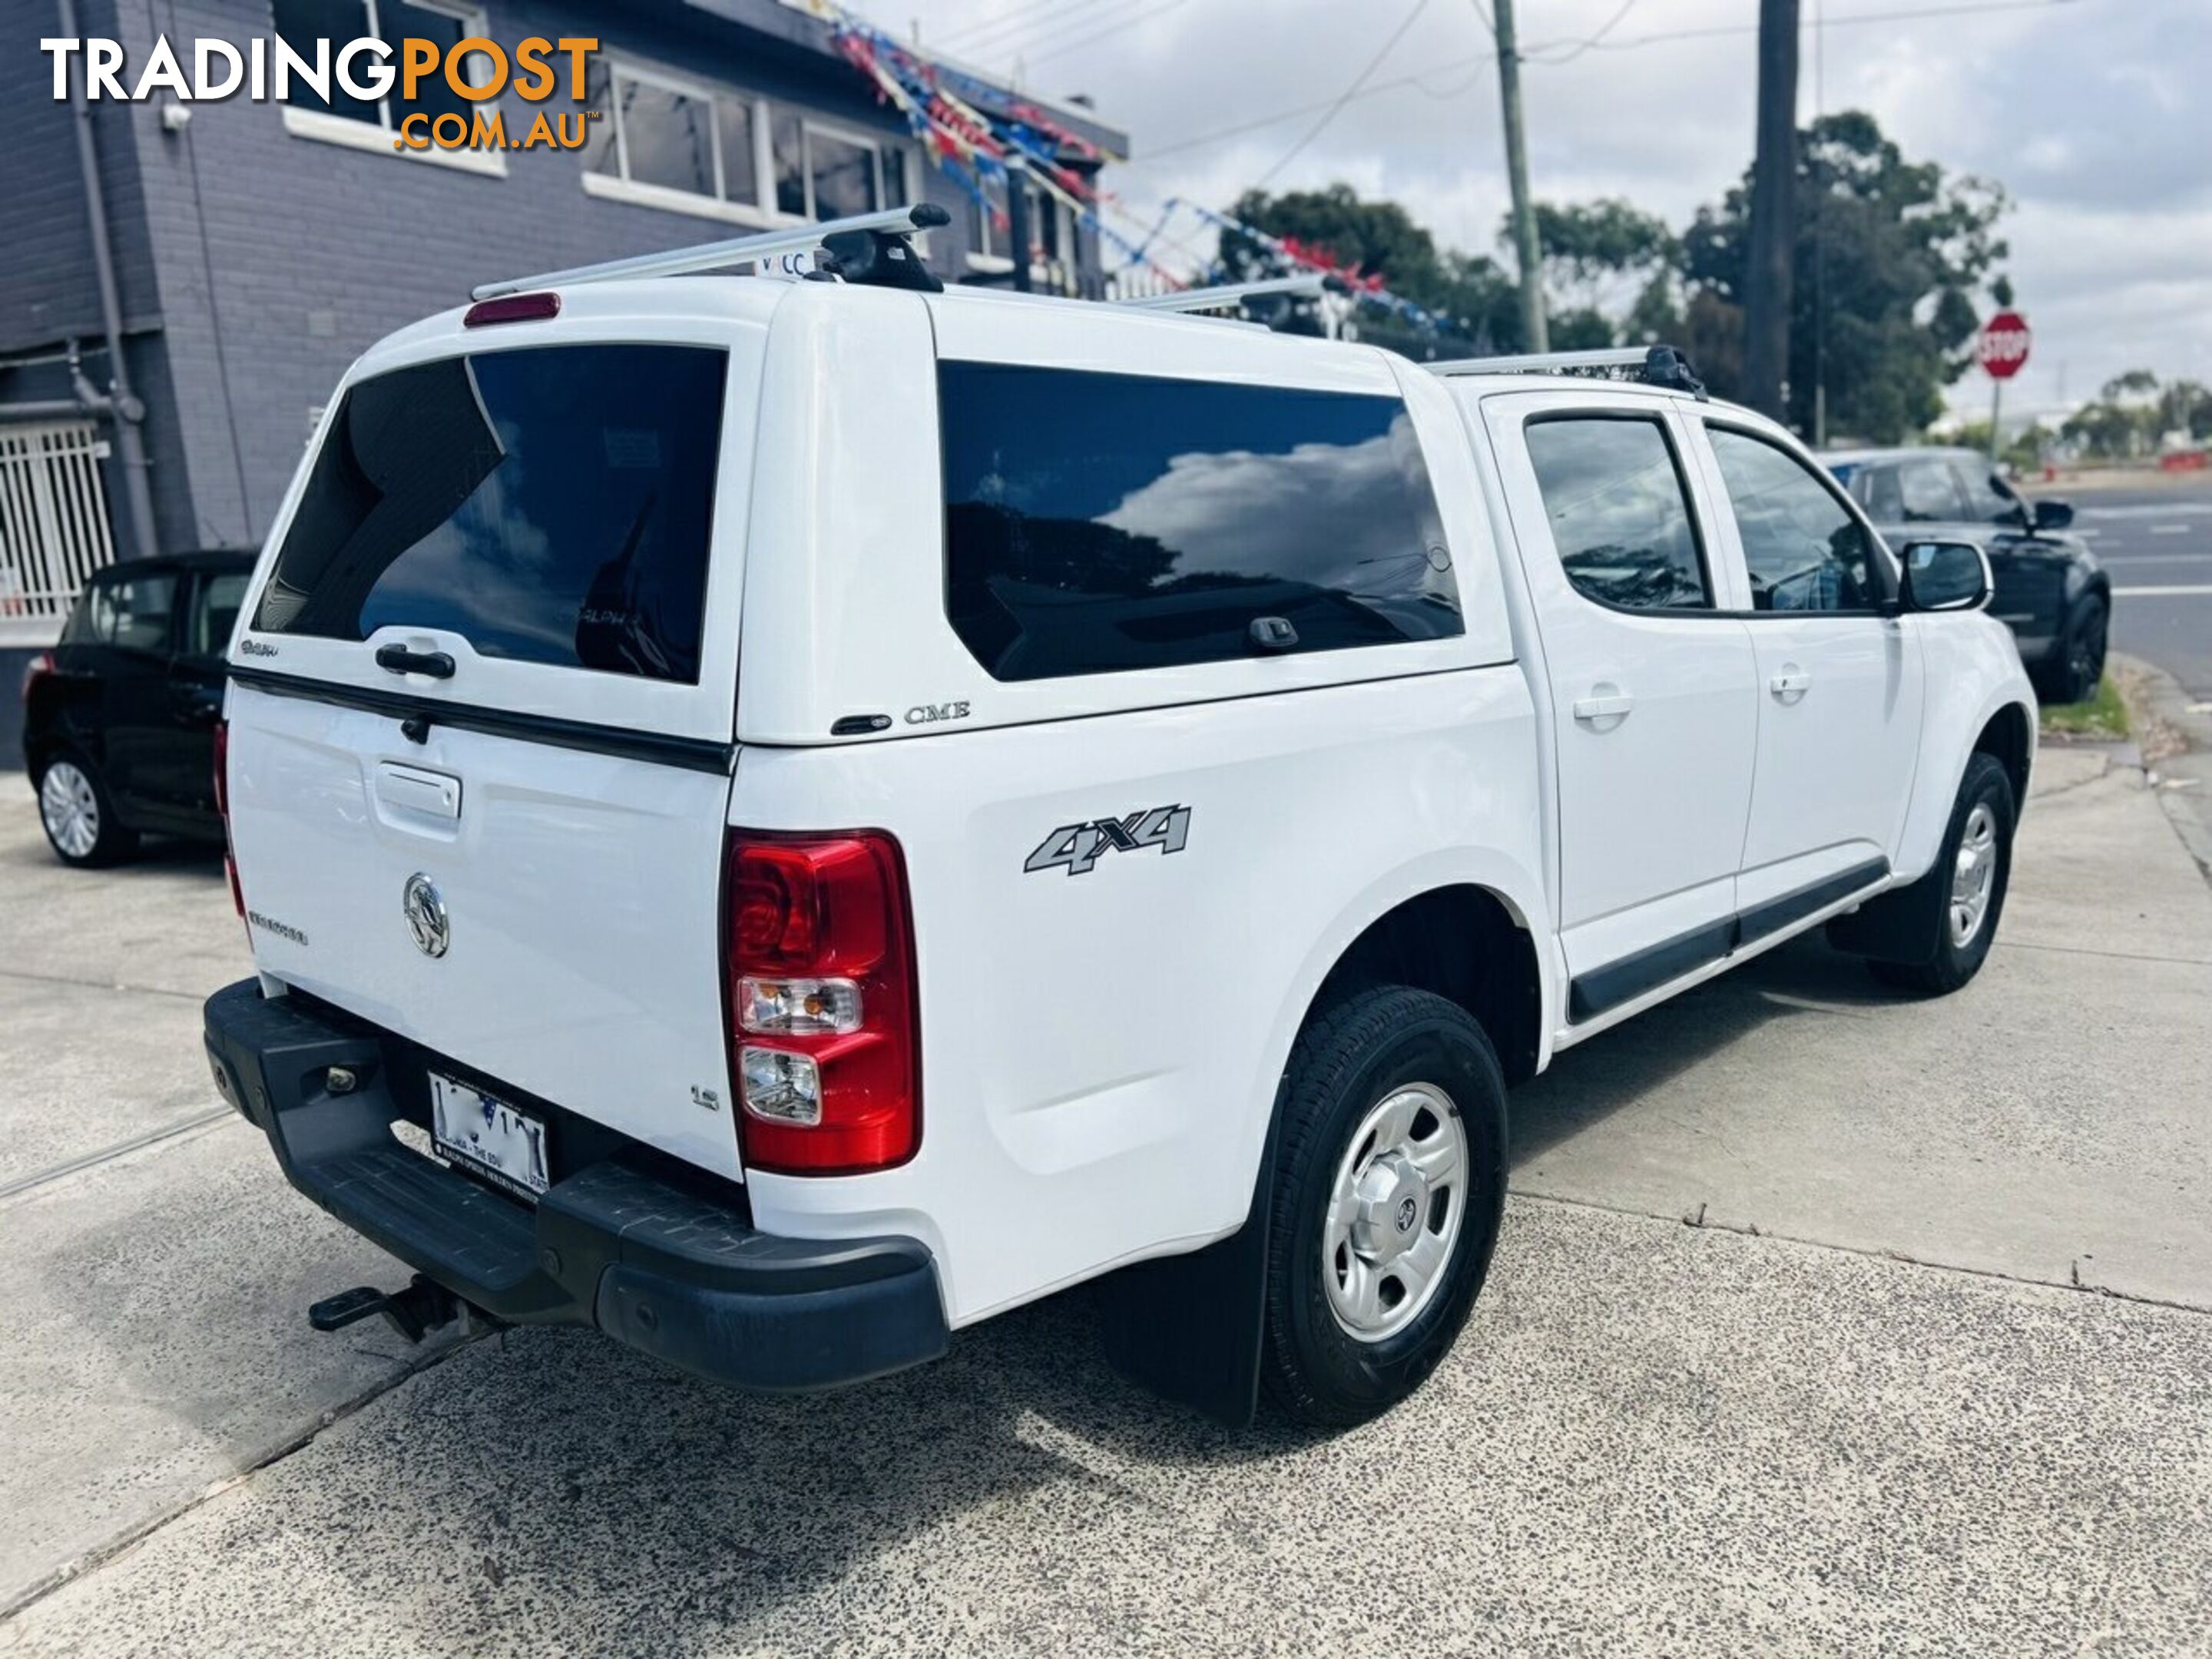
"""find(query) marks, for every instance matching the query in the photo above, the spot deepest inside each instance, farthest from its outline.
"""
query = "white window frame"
(326, 127)
(762, 213)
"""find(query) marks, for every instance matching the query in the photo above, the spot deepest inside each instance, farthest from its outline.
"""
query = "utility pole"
(1527, 252)
(1773, 222)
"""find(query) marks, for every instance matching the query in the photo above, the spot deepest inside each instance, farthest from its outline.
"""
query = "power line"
(1346, 96)
(991, 26)
(1153, 153)
(1065, 47)
(1577, 48)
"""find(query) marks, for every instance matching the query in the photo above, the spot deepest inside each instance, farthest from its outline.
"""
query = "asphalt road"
(2156, 543)
(1929, 1369)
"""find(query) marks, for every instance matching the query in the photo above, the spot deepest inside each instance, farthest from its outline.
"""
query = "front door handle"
(1790, 684)
(1604, 703)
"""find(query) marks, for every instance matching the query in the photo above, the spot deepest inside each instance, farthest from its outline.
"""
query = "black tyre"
(1389, 1185)
(2080, 665)
(78, 815)
(1978, 857)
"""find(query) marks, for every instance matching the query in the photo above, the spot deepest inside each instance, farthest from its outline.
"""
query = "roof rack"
(1309, 285)
(891, 225)
(1659, 365)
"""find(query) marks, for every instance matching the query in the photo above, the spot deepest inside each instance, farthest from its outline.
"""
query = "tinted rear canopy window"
(550, 505)
(1098, 523)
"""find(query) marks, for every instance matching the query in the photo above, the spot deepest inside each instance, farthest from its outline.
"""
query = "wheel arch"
(2008, 735)
(1466, 943)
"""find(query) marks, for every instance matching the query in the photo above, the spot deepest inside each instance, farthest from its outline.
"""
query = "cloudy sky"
(2095, 115)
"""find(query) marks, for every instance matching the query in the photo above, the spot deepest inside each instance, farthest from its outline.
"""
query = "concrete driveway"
(1927, 1369)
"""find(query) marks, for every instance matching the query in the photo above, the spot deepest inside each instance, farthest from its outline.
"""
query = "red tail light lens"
(222, 811)
(36, 670)
(824, 1042)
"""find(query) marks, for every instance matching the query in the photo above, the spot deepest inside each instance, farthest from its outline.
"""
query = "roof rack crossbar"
(714, 256)
(1654, 365)
(1220, 298)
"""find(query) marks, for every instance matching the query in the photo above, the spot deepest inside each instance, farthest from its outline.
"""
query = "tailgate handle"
(433, 795)
(400, 660)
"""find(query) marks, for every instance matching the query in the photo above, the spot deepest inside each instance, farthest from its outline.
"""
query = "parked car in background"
(120, 717)
(2050, 591)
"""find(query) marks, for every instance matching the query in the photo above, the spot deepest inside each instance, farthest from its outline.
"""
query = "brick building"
(258, 247)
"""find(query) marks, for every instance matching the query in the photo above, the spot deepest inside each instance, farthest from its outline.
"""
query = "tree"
(1378, 239)
(1590, 248)
(1890, 251)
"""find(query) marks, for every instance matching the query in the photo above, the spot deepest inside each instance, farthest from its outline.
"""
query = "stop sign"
(2002, 346)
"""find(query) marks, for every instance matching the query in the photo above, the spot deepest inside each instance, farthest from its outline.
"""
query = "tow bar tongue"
(420, 1309)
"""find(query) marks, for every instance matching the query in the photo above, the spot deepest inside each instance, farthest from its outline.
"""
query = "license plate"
(489, 1134)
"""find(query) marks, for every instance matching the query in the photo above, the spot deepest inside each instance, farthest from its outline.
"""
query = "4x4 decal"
(1075, 847)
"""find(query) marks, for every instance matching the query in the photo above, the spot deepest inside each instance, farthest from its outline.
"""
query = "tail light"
(824, 1038)
(222, 811)
(36, 670)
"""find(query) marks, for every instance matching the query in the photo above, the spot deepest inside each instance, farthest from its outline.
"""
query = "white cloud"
(2091, 114)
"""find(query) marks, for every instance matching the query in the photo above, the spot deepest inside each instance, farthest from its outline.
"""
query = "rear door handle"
(1603, 705)
(400, 660)
(1790, 684)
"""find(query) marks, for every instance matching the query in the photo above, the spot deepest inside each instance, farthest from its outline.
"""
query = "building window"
(303, 22)
(1052, 234)
(681, 144)
(824, 172)
(365, 124)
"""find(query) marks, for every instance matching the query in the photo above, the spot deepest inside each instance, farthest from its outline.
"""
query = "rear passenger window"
(1620, 515)
(549, 504)
(1103, 523)
(130, 612)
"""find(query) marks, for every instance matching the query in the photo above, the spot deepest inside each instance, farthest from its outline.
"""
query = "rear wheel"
(1975, 864)
(2080, 665)
(1390, 1182)
(78, 815)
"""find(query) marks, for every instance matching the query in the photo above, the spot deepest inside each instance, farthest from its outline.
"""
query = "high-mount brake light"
(824, 1034)
(222, 811)
(514, 308)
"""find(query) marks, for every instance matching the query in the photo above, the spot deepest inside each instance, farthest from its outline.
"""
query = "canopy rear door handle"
(400, 660)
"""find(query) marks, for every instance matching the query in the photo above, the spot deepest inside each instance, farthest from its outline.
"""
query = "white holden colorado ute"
(781, 819)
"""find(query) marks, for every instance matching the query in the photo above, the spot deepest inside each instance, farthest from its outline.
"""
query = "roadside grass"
(2099, 719)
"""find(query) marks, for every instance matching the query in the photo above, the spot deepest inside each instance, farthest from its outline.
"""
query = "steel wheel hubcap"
(1975, 874)
(70, 809)
(1394, 1213)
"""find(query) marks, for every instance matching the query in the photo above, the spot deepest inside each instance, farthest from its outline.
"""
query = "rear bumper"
(617, 1245)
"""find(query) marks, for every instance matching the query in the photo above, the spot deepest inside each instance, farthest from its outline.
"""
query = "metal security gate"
(54, 523)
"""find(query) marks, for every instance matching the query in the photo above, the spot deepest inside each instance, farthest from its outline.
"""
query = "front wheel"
(1389, 1186)
(78, 814)
(2073, 676)
(1976, 866)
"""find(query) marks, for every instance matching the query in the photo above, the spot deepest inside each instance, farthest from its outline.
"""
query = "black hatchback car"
(120, 717)
(2050, 588)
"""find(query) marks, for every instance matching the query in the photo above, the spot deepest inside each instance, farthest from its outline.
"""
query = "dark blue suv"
(2050, 589)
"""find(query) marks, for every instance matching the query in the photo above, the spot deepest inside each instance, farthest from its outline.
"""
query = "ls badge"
(1075, 847)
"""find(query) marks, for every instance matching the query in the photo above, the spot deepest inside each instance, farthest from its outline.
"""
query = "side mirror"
(1946, 576)
(2053, 515)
